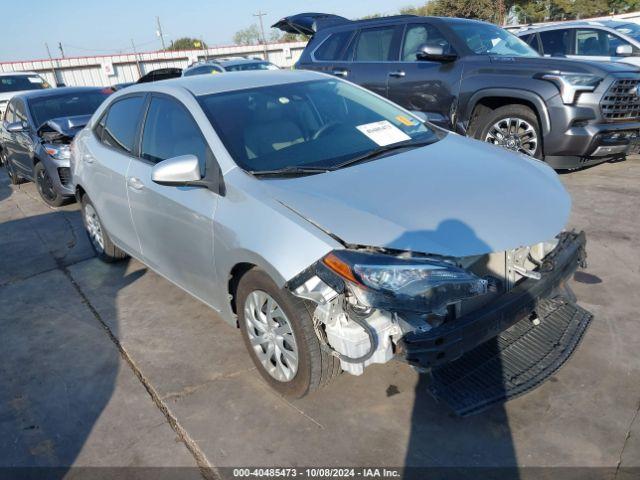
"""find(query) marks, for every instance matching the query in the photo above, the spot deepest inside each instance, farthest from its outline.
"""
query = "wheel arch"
(493, 98)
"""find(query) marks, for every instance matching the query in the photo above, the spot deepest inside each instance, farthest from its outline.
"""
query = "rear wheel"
(514, 127)
(277, 329)
(45, 186)
(100, 241)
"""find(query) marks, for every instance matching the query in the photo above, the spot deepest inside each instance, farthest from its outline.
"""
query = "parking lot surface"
(111, 365)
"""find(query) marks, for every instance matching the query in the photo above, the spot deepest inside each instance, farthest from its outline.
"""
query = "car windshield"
(16, 83)
(630, 29)
(251, 66)
(67, 105)
(317, 124)
(486, 39)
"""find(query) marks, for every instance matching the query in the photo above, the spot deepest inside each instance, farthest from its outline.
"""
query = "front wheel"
(46, 189)
(277, 329)
(100, 241)
(514, 127)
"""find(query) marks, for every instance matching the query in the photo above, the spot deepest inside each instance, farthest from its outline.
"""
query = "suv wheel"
(45, 186)
(100, 241)
(514, 127)
(277, 329)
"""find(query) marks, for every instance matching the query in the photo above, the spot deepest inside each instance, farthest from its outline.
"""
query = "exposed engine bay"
(368, 299)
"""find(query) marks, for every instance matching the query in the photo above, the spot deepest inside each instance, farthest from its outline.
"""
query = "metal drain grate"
(516, 361)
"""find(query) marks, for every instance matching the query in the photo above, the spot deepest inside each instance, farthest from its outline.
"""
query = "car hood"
(457, 197)
(65, 126)
(565, 65)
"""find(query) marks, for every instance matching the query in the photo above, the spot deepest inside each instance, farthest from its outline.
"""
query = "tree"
(248, 36)
(187, 43)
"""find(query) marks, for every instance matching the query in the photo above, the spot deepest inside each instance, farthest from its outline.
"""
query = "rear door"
(375, 57)
(175, 224)
(106, 158)
(421, 85)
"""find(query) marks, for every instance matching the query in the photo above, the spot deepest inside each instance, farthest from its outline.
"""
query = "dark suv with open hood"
(479, 80)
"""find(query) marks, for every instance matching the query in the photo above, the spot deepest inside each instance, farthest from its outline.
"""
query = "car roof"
(15, 74)
(199, 85)
(572, 24)
(240, 61)
(54, 92)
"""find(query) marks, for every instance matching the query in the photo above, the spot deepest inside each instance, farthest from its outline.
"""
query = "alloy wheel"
(271, 336)
(45, 185)
(94, 229)
(514, 134)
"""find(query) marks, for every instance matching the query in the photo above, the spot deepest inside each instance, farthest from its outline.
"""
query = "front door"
(175, 224)
(426, 86)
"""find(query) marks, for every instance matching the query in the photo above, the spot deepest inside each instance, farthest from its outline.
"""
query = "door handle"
(135, 183)
(340, 72)
(397, 73)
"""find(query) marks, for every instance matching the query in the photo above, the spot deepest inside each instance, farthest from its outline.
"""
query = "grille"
(65, 175)
(621, 102)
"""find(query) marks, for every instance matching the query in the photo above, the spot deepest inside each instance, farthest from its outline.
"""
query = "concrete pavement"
(113, 365)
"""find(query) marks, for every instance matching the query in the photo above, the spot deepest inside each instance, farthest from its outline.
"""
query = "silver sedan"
(328, 223)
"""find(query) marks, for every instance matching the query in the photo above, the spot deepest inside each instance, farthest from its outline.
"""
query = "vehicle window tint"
(333, 48)
(99, 128)
(534, 42)
(169, 131)
(592, 42)
(9, 115)
(205, 69)
(20, 112)
(11, 83)
(122, 123)
(374, 45)
(419, 35)
(555, 42)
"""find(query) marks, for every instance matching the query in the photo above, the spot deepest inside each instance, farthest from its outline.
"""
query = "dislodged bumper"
(451, 340)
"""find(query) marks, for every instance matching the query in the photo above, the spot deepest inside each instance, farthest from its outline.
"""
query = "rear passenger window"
(556, 42)
(375, 45)
(333, 48)
(122, 123)
(170, 131)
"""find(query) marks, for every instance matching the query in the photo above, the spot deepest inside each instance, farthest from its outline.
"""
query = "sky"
(92, 27)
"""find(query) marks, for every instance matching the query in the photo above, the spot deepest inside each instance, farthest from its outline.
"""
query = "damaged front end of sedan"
(375, 304)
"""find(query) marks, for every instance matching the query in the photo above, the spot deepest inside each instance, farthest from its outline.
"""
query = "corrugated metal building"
(111, 69)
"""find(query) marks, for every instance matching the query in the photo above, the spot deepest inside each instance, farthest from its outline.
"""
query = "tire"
(44, 184)
(518, 125)
(315, 367)
(98, 236)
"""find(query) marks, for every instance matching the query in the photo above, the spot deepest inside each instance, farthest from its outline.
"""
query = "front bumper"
(451, 340)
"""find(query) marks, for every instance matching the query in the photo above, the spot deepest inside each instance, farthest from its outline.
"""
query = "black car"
(479, 80)
(36, 133)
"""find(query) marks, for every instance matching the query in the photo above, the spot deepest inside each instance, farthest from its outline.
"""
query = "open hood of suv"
(457, 197)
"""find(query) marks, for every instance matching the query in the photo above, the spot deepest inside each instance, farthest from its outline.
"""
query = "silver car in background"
(335, 228)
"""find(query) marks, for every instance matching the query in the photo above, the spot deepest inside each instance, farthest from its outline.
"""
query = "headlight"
(571, 84)
(59, 152)
(385, 281)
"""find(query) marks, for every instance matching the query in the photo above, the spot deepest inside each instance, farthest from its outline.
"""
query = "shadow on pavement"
(57, 367)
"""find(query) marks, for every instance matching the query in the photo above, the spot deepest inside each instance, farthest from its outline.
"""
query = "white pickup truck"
(12, 83)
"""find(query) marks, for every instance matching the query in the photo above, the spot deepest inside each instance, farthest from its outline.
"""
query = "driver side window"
(419, 35)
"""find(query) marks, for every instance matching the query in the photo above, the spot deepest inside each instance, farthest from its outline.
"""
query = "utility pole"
(261, 14)
(159, 32)
(60, 48)
(135, 53)
(53, 69)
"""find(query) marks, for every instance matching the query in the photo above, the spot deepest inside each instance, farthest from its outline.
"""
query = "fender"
(534, 98)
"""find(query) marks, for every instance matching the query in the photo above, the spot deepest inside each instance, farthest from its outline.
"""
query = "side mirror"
(17, 127)
(624, 50)
(434, 53)
(178, 171)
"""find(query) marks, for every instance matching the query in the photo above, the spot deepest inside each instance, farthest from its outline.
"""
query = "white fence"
(112, 69)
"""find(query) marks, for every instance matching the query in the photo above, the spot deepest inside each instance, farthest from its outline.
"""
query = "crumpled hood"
(67, 126)
(457, 197)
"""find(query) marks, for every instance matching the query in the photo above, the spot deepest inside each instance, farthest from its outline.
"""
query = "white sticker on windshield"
(34, 79)
(383, 133)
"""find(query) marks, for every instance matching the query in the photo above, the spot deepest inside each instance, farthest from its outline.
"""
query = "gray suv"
(479, 80)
